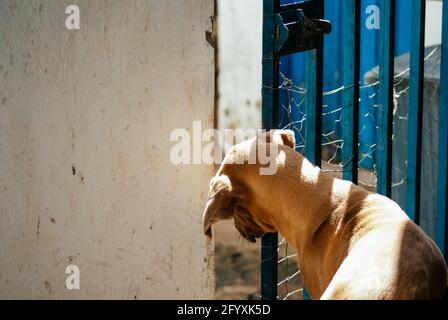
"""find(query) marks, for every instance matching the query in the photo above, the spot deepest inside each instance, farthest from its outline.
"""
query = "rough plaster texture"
(85, 175)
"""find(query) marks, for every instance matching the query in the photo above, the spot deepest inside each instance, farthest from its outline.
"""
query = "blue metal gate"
(299, 27)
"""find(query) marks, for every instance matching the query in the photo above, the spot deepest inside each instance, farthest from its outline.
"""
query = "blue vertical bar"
(415, 122)
(313, 100)
(442, 186)
(313, 106)
(385, 99)
(270, 101)
(351, 62)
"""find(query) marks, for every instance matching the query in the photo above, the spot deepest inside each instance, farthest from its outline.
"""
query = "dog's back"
(392, 255)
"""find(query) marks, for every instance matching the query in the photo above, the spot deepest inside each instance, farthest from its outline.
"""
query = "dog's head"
(230, 195)
(225, 202)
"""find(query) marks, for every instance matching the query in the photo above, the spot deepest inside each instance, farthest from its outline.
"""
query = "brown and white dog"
(352, 244)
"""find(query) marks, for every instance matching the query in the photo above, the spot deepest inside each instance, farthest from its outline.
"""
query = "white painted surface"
(104, 100)
(240, 51)
(433, 34)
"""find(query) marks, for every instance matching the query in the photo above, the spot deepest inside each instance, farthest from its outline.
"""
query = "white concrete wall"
(433, 34)
(85, 175)
(240, 51)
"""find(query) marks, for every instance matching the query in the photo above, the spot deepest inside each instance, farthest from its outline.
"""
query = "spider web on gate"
(290, 285)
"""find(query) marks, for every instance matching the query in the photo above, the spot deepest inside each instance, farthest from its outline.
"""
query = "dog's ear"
(221, 203)
(282, 137)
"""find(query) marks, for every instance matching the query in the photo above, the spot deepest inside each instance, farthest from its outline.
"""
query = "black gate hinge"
(298, 28)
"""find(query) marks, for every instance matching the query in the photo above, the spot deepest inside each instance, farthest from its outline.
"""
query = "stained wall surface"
(85, 171)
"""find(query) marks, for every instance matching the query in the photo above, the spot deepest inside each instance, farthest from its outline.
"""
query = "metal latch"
(298, 31)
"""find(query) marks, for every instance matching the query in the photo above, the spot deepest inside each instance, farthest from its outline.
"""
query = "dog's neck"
(309, 212)
(311, 200)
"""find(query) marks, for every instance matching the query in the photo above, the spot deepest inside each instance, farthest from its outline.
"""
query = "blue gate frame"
(273, 32)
